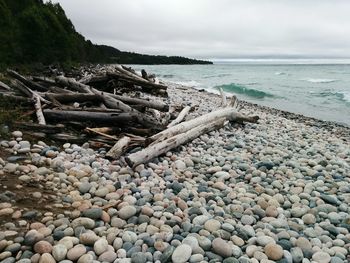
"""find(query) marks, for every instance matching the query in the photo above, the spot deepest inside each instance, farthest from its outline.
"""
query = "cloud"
(216, 28)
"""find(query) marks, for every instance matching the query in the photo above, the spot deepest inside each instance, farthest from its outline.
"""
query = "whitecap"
(190, 83)
(320, 80)
(346, 96)
(280, 73)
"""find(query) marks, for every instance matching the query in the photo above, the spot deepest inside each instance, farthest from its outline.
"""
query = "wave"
(217, 75)
(280, 73)
(190, 83)
(339, 95)
(239, 89)
(320, 80)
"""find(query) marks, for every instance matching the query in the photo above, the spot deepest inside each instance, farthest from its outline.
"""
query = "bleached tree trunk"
(119, 148)
(223, 98)
(38, 109)
(72, 83)
(162, 147)
(180, 117)
(229, 114)
(4, 86)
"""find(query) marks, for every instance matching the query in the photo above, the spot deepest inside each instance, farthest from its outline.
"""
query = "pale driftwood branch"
(233, 102)
(180, 117)
(223, 98)
(91, 79)
(19, 86)
(229, 114)
(27, 91)
(111, 102)
(4, 86)
(123, 74)
(147, 103)
(117, 104)
(45, 80)
(26, 81)
(38, 109)
(97, 131)
(119, 148)
(162, 147)
(72, 83)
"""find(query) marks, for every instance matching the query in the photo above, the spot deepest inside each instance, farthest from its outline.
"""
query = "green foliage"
(32, 31)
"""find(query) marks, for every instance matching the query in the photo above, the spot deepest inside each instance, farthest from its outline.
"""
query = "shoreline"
(287, 113)
(274, 191)
(283, 113)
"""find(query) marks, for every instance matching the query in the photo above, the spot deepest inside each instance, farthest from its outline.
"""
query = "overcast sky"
(217, 28)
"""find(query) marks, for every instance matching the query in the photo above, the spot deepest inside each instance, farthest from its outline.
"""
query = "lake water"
(320, 90)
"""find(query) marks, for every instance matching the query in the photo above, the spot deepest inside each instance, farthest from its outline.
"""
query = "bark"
(94, 79)
(147, 103)
(73, 84)
(26, 81)
(97, 131)
(34, 127)
(16, 98)
(223, 98)
(38, 109)
(126, 75)
(75, 97)
(47, 81)
(60, 90)
(4, 86)
(180, 117)
(27, 91)
(162, 147)
(113, 119)
(227, 113)
(119, 148)
(117, 104)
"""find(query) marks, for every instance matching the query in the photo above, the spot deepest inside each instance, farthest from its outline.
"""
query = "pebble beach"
(274, 191)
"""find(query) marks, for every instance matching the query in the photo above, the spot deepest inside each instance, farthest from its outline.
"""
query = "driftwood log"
(166, 145)
(93, 98)
(26, 81)
(229, 114)
(4, 86)
(119, 148)
(102, 118)
(180, 117)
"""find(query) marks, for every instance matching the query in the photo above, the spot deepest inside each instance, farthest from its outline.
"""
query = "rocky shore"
(275, 191)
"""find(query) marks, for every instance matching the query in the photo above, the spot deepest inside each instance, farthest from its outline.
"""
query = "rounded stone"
(264, 240)
(273, 251)
(212, 225)
(138, 257)
(107, 256)
(59, 252)
(87, 258)
(42, 247)
(247, 220)
(182, 254)
(126, 212)
(100, 246)
(47, 258)
(93, 213)
(221, 247)
(17, 134)
(321, 257)
(309, 219)
(76, 252)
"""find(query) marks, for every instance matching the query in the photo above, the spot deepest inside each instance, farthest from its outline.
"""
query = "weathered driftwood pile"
(104, 107)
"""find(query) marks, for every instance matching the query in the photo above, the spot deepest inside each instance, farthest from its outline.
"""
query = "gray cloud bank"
(217, 28)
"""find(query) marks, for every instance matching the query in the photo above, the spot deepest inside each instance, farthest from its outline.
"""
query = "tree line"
(32, 31)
